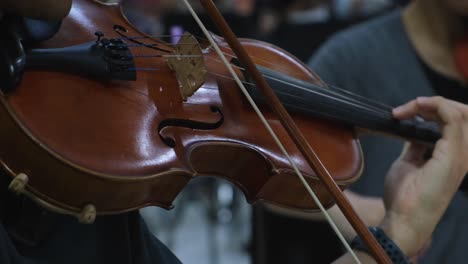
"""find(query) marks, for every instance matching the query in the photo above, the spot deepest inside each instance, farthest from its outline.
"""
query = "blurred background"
(211, 222)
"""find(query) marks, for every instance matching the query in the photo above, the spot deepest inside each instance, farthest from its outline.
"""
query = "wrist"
(400, 232)
(396, 255)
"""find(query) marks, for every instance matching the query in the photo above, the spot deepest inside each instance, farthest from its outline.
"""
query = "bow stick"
(294, 132)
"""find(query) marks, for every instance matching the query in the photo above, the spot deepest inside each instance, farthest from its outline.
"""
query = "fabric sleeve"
(333, 61)
(347, 61)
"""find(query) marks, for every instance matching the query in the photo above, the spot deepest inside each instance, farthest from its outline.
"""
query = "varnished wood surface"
(83, 141)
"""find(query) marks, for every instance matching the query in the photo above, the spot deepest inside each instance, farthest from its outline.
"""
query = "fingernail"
(397, 110)
(422, 99)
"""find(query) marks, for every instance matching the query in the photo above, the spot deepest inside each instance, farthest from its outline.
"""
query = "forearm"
(370, 209)
(40, 9)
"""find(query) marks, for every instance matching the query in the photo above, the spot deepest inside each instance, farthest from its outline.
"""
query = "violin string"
(299, 99)
(227, 54)
(151, 37)
(157, 44)
(357, 99)
(143, 69)
(232, 56)
(183, 44)
(209, 48)
(376, 103)
(330, 86)
(345, 100)
(302, 109)
(370, 101)
(296, 97)
(164, 56)
(335, 97)
(244, 90)
(200, 38)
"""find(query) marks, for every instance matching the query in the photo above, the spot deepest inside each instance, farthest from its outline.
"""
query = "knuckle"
(464, 114)
(434, 101)
(457, 116)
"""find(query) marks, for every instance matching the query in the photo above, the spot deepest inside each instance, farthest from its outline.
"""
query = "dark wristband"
(392, 250)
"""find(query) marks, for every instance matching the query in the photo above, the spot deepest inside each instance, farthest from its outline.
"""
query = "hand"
(417, 192)
(370, 209)
(39, 9)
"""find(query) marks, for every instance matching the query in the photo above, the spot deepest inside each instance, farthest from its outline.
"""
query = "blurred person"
(347, 9)
(288, 24)
(240, 14)
(244, 7)
(408, 53)
(145, 15)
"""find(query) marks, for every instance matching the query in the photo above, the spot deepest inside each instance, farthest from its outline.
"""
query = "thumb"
(414, 153)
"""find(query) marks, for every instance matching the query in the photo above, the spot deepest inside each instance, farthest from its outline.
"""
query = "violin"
(103, 119)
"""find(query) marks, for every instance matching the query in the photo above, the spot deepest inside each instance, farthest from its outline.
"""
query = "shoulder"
(366, 34)
(359, 44)
(382, 26)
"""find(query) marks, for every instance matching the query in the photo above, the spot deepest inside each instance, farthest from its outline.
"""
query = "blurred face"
(244, 7)
(459, 7)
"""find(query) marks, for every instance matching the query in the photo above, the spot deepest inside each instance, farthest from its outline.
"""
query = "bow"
(293, 131)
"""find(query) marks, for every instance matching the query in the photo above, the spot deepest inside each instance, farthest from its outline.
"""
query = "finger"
(449, 153)
(464, 144)
(414, 153)
(415, 108)
(432, 108)
(451, 116)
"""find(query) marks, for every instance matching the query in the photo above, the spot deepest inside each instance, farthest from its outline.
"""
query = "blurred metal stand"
(210, 204)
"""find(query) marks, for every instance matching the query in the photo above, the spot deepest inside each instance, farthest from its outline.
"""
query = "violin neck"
(344, 107)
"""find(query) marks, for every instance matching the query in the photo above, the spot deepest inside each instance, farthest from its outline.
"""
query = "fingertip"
(411, 108)
(398, 111)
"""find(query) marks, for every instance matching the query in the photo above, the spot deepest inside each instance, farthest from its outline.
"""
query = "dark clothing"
(451, 89)
(446, 87)
(377, 60)
(281, 239)
(31, 235)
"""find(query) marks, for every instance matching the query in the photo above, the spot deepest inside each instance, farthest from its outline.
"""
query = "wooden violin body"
(86, 143)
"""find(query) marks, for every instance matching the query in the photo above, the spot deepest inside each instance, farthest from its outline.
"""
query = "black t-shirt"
(450, 89)
(447, 87)
(32, 235)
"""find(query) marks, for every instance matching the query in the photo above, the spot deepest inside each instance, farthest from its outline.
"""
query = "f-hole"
(190, 124)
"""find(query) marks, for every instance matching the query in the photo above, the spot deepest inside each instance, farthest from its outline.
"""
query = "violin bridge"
(189, 65)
